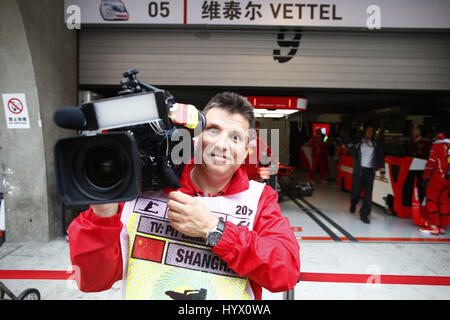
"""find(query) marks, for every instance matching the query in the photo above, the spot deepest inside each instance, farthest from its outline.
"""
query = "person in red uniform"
(420, 145)
(318, 151)
(268, 255)
(259, 154)
(437, 177)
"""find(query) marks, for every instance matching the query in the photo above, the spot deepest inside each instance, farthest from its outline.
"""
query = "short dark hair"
(233, 103)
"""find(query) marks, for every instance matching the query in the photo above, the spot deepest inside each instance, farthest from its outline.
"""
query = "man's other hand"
(189, 215)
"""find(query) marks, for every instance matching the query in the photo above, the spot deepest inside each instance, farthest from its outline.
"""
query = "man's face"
(368, 133)
(224, 142)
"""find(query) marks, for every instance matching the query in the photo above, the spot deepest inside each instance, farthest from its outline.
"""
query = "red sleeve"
(431, 163)
(95, 251)
(269, 254)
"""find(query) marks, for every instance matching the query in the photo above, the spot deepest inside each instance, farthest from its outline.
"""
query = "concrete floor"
(415, 258)
(330, 257)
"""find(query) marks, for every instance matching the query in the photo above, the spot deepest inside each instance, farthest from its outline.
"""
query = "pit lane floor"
(386, 246)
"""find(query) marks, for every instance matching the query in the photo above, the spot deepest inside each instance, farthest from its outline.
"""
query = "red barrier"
(371, 278)
(36, 274)
(304, 276)
(404, 164)
(344, 172)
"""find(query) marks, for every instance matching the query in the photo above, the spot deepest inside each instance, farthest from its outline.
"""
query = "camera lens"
(95, 169)
(103, 168)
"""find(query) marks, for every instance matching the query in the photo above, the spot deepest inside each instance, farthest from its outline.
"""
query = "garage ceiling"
(321, 100)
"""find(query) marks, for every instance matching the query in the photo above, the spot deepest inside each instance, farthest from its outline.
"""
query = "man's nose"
(221, 142)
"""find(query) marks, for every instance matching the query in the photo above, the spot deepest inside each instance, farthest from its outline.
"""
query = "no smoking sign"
(15, 105)
(16, 111)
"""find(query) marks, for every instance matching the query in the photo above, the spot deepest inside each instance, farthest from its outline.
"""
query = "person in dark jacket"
(367, 157)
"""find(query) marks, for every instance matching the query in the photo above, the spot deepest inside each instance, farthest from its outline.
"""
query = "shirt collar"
(369, 140)
(239, 182)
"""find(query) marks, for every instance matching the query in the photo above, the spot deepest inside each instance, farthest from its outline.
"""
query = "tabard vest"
(162, 263)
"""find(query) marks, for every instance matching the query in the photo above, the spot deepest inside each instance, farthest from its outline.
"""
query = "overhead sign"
(16, 111)
(269, 102)
(276, 107)
(421, 14)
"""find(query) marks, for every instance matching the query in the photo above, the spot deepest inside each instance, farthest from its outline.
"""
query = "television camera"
(126, 146)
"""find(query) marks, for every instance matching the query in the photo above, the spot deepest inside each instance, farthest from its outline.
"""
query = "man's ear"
(247, 143)
(247, 149)
(252, 135)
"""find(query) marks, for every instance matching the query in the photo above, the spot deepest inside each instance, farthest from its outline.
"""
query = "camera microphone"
(70, 118)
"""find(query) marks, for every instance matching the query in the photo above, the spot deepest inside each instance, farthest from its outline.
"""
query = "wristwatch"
(213, 236)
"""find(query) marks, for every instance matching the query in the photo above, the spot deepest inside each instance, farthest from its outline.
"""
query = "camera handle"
(132, 85)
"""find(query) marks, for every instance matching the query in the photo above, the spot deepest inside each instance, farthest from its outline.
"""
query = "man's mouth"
(219, 158)
(218, 155)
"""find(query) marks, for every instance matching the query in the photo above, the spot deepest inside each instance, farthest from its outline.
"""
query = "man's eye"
(236, 138)
(212, 130)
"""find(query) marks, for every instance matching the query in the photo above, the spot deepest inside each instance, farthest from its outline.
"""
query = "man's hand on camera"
(189, 216)
(105, 210)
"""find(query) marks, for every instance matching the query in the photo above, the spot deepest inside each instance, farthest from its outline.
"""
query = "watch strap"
(220, 226)
(216, 232)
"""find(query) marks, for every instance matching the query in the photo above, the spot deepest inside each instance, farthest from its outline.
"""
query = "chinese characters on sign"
(230, 10)
(236, 10)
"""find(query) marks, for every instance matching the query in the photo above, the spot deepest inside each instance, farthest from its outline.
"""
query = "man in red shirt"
(437, 177)
(259, 155)
(249, 244)
(318, 151)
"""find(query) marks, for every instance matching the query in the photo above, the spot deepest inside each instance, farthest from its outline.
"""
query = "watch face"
(213, 238)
